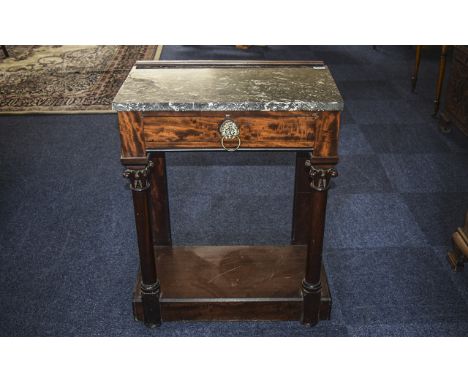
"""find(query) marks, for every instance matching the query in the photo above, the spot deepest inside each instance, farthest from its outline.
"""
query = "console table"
(230, 106)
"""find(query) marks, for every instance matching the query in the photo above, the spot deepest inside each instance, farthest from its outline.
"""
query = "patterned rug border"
(156, 57)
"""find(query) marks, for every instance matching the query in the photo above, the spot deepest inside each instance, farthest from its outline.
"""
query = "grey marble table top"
(243, 88)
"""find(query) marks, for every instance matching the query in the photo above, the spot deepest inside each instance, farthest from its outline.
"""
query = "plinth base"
(209, 283)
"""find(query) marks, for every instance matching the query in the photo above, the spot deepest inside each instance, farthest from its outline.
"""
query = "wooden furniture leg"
(440, 78)
(160, 201)
(139, 177)
(414, 76)
(311, 285)
(302, 207)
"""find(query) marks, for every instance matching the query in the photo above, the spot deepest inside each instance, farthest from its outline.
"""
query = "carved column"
(320, 178)
(301, 207)
(139, 177)
(160, 201)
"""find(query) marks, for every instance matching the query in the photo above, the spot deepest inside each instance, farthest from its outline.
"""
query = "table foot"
(311, 294)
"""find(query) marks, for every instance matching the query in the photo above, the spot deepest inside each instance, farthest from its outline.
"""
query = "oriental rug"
(66, 78)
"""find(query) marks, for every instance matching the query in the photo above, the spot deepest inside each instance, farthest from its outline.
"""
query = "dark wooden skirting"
(231, 283)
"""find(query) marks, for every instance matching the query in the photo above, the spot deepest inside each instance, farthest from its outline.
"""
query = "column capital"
(139, 177)
(320, 177)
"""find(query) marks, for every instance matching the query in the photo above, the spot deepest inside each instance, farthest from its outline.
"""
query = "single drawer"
(200, 130)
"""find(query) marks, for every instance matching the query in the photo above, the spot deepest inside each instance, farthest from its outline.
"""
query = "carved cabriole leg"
(320, 178)
(139, 177)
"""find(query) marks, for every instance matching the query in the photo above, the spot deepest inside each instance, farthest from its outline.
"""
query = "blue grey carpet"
(68, 247)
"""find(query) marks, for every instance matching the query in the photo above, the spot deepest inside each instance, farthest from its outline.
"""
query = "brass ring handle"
(229, 130)
(231, 149)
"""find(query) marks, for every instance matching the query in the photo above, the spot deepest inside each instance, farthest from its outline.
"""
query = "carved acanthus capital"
(139, 178)
(320, 177)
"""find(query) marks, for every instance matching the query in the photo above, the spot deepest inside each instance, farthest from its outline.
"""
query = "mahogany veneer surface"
(232, 283)
(261, 129)
(230, 271)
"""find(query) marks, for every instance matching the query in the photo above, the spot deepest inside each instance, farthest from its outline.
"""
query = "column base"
(312, 300)
(151, 306)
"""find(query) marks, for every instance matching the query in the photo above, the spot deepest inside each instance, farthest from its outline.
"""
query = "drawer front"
(256, 130)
